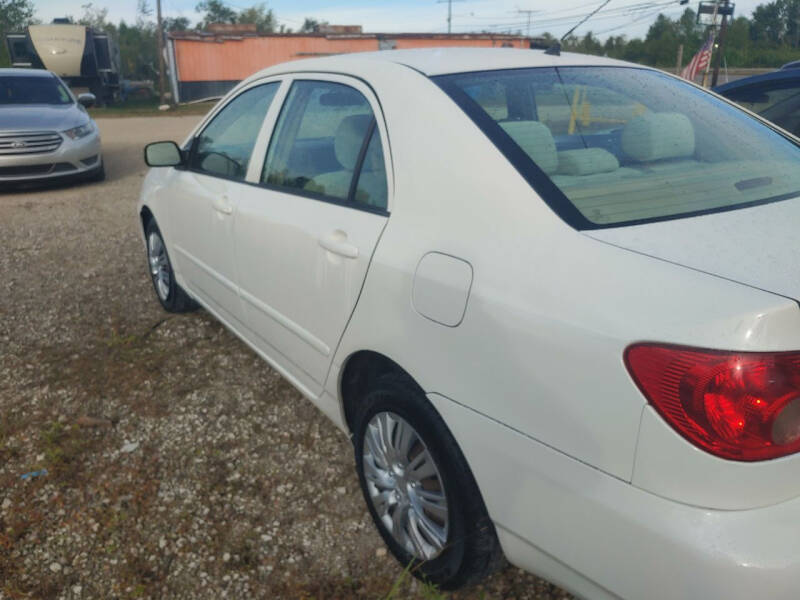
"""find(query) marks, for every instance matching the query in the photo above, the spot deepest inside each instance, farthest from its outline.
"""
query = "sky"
(619, 17)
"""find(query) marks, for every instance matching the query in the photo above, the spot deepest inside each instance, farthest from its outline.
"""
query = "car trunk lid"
(758, 246)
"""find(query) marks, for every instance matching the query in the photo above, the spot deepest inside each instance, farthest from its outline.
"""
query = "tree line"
(769, 38)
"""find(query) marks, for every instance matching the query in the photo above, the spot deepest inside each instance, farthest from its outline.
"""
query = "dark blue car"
(774, 96)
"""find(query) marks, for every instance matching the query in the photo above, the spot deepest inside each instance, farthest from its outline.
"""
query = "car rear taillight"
(738, 405)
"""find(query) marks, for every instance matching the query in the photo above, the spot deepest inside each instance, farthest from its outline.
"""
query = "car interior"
(318, 143)
(618, 160)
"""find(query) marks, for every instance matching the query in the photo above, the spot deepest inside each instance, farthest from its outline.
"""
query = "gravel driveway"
(178, 464)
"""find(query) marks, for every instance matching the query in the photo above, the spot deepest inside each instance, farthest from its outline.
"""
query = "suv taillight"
(738, 405)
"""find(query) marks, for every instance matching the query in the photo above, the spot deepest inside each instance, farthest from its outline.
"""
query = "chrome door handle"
(337, 243)
(222, 205)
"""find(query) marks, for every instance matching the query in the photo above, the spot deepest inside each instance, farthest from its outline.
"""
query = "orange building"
(208, 64)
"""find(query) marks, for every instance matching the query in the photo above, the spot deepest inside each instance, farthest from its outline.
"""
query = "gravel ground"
(178, 464)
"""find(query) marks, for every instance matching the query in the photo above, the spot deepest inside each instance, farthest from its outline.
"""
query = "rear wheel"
(419, 489)
(170, 294)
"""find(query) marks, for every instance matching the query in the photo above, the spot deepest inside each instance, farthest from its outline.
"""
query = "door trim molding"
(308, 337)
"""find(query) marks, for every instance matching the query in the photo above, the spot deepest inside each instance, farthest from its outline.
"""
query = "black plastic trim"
(362, 153)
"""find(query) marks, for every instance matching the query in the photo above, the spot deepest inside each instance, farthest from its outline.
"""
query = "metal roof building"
(208, 64)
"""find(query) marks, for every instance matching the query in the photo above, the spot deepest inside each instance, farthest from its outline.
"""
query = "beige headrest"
(655, 136)
(536, 140)
(586, 161)
(349, 138)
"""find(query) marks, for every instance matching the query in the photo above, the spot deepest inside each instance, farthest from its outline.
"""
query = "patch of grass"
(65, 449)
(427, 590)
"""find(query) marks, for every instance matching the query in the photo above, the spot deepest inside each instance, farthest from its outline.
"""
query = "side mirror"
(87, 100)
(163, 154)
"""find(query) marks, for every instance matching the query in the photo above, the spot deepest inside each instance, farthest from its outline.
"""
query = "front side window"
(326, 143)
(224, 147)
(609, 146)
(20, 89)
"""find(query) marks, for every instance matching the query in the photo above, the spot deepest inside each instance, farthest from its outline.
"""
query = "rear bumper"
(73, 157)
(601, 537)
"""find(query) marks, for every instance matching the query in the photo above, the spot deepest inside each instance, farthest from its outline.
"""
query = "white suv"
(553, 300)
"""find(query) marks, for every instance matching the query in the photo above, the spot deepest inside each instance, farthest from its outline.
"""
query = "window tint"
(319, 140)
(225, 146)
(615, 145)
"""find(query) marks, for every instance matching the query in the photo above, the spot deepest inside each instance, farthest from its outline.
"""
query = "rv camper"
(83, 57)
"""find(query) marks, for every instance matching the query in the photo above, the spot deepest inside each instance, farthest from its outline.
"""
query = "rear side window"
(224, 147)
(326, 144)
(610, 146)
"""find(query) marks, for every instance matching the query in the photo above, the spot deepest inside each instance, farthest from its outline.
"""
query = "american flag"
(699, 61)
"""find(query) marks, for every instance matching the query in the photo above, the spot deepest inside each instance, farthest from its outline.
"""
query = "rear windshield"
(18, 89)
(610, 146)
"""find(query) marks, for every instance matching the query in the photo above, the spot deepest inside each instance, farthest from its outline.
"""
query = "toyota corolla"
(552, 299)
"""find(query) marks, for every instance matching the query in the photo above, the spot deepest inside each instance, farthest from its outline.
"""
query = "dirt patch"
(163, 458)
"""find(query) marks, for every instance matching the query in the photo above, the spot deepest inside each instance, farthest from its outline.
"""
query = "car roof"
(442, 61)
(756, 79)
(795, 64)
(25, 73)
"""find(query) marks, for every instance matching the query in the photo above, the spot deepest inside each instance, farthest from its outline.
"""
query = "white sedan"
(552, 299)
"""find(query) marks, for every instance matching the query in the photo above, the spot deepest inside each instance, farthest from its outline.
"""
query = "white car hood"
(757, 246)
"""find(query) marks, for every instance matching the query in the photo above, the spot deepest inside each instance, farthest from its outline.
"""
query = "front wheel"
(419, 489)
(170, 294)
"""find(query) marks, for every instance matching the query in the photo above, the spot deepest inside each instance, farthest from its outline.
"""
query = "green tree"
(15, 15)
(176, 24)
(261, 16)
(137, 48)
(215, 11)
(95, 17)
(311, 25)
(767, 23)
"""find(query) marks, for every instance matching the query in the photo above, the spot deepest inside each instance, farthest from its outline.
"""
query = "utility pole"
(713, 42)
(528, 13)
(722, 33)
(449, 12)
(160, 35)
(680, 60)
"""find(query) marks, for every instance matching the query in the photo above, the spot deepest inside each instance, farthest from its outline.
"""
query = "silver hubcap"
(159, 265)
(404, 486)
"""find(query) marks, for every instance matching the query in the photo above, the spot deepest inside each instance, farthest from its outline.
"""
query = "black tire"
(175, 300)
(472, 551)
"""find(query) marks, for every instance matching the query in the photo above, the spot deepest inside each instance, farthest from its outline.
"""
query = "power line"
(614, 12)
(529, 13)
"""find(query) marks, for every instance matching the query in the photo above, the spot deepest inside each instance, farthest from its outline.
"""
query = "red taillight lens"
(738, 405)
